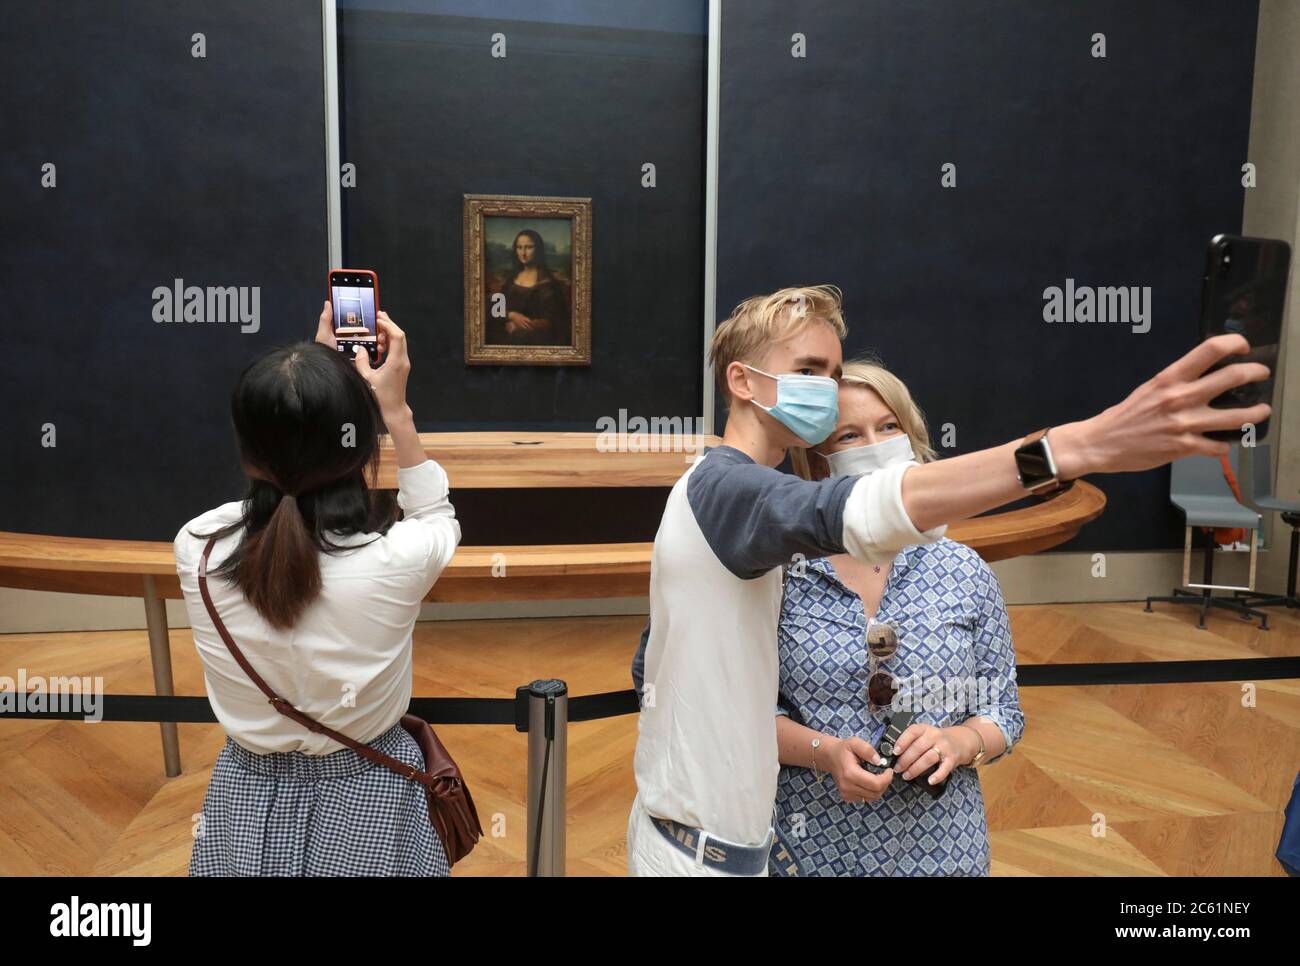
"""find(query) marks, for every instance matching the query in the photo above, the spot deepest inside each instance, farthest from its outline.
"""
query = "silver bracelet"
(816, 743)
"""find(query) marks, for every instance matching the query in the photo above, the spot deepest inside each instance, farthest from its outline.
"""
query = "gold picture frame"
(509, 238)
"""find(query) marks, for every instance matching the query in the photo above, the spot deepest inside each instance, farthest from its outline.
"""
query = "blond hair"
(761, 320)
(870, 373)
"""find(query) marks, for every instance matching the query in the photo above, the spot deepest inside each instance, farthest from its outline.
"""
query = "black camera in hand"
(883, 741)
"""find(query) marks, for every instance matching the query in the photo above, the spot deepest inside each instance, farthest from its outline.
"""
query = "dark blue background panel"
(168, 166)
(1110, 171)
(573, 110)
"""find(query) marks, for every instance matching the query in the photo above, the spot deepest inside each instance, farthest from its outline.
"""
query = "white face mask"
(861, 460)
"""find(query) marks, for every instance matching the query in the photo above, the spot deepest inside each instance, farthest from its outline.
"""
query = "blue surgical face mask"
(863, 460)
(808, 406)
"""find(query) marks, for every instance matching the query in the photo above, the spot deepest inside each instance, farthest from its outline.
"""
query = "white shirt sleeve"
(422, 493)
(876, 525)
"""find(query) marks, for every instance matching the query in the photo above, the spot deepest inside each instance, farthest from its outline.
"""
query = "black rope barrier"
(513, 711)
(1158, 672)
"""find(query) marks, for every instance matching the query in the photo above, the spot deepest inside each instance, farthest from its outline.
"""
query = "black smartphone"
(354, 293)
(1244, 291)
(883, 741)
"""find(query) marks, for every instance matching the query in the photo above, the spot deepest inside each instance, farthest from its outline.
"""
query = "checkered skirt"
(292, 814)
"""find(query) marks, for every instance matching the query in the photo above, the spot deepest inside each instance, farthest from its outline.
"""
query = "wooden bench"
(147, 569)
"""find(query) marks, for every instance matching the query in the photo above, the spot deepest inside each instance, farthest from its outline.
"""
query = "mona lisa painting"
(527, 280)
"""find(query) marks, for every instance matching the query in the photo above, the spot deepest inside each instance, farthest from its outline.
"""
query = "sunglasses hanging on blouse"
(882, 643)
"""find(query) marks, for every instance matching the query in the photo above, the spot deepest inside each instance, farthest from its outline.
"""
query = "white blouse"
(347, 661)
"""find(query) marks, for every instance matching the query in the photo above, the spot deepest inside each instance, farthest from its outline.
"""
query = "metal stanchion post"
(548, 729)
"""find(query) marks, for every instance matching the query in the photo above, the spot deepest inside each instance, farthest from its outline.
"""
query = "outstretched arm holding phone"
(1160, 421)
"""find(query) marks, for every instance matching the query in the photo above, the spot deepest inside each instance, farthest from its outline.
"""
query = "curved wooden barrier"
(487, 461)
(1046, 523)
(115, 568)
(83, 565)
(145, 569)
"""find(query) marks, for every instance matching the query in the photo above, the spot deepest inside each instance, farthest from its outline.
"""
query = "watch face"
(1034, 464)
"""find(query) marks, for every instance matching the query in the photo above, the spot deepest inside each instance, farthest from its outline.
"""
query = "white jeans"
(649, 853)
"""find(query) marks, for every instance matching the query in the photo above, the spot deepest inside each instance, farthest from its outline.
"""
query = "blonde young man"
(706, 758)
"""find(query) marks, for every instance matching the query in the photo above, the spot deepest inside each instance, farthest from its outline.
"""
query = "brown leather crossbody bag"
(451, 809)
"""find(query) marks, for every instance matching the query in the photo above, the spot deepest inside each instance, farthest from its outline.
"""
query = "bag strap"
(283, 706)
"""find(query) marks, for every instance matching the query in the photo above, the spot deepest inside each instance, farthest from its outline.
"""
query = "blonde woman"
(927, 632)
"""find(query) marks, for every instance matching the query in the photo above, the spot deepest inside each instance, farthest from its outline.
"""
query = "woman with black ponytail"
(320, 583)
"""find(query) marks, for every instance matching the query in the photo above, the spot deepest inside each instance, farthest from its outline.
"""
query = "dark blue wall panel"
(574, 109)
(1112, 171)
(168, 166)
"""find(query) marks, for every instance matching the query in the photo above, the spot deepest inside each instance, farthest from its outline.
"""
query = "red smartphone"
(354, 293)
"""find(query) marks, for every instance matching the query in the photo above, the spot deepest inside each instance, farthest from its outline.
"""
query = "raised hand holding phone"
(389, 385)
(388, 380)
(1244, 292)
(325, 330)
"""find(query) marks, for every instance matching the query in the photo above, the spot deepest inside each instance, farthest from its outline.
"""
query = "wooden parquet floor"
(1183, 779)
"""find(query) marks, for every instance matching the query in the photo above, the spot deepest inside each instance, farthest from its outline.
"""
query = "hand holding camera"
(918, 752)
(845, 759)
(921, 744)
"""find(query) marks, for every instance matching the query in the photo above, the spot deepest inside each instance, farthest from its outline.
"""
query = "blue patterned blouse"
(954, 660)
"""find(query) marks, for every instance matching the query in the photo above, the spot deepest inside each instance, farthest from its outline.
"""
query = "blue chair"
(1197, 487)
(1262, 495)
